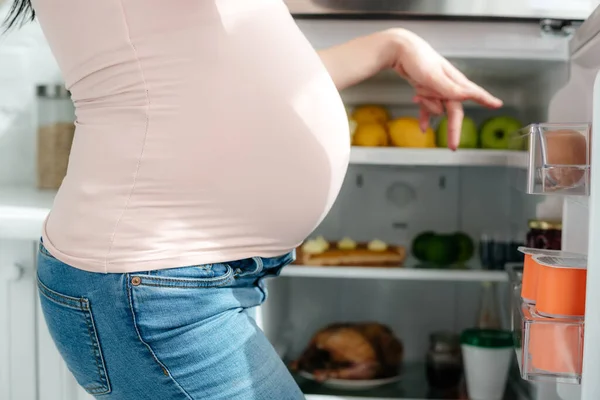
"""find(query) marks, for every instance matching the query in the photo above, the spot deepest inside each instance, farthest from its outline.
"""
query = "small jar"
(56, 128)
(544, 235)
(444, 360)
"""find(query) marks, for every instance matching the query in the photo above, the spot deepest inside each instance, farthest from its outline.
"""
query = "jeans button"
(136, 280)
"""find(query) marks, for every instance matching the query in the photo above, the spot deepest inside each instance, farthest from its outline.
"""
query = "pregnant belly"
(271, 171)
(260, 191)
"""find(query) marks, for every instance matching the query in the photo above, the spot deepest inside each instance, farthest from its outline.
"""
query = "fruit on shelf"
(443, 249)
(371, 126)
(465, 245)
(498, 132)
(469, 136)
(405, 132)
(371, 134)
(419, 244)
(352, 125)
(370, 113)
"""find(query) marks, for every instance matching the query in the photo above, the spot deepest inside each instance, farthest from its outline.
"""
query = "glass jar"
(488, 316)
(56, 128)
(444, 360)
(544, 235)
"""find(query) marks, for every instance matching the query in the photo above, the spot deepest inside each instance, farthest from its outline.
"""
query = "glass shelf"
(413, 386)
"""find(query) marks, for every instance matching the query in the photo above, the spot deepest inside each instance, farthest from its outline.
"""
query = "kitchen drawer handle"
(11, 273)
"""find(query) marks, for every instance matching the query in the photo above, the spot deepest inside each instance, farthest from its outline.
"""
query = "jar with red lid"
(544, 235)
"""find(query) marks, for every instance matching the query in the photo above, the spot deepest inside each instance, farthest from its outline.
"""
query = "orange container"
(561, 286)
(530, 278)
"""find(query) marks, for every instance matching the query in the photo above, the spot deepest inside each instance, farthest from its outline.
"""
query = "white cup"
(487, 354)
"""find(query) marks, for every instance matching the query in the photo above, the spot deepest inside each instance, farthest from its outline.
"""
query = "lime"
(420, 244)
(465, 246)
(441, 250)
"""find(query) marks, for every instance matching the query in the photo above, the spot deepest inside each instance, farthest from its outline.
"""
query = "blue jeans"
(181, 333)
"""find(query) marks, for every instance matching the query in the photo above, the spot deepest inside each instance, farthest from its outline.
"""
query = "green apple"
(500, 133)
(468, 134)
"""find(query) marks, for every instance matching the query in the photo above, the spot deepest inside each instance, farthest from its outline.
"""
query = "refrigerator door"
(585, 34)
(591, 357)
(573, 102)
(580, 100)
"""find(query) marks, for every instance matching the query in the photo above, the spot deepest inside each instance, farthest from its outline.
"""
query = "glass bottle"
(489, 310)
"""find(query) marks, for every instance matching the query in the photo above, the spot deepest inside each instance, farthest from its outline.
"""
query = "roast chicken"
(354, 351)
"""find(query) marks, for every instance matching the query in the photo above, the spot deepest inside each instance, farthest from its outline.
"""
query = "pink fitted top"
(207, 131)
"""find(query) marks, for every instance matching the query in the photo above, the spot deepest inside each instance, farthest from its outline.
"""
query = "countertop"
(23, 211)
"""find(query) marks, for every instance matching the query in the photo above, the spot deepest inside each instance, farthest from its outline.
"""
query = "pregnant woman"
(210, 141)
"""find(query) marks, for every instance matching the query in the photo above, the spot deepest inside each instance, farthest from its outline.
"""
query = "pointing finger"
(423, 119)
(455, 113)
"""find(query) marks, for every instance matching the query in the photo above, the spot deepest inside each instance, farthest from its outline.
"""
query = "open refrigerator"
(546, 78)
(545, 71)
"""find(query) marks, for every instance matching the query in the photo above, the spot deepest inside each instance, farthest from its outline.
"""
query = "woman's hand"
(439, 86)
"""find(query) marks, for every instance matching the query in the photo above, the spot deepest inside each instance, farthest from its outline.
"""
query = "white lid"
(562, 262)
(544, 252)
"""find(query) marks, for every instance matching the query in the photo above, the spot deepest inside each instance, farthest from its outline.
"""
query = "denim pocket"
(204, 276)
(71, 325)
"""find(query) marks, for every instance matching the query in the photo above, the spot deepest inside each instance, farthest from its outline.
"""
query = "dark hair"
(20, 12)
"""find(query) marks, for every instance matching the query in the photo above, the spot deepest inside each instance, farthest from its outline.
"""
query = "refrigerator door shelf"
(548, 349)
(559, 159)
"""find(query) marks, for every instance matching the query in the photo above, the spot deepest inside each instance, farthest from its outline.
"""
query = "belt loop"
(259, 265)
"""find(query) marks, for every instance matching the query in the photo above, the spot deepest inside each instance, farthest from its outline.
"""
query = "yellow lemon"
(405, 132)
(370, 113)
(352, 124)
(370, 134)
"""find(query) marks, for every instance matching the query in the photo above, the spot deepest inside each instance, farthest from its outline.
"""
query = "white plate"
(350, 384)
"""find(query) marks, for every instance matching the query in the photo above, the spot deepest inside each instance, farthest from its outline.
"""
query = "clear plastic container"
(559, 158)
(548, 349)
(515, 279)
